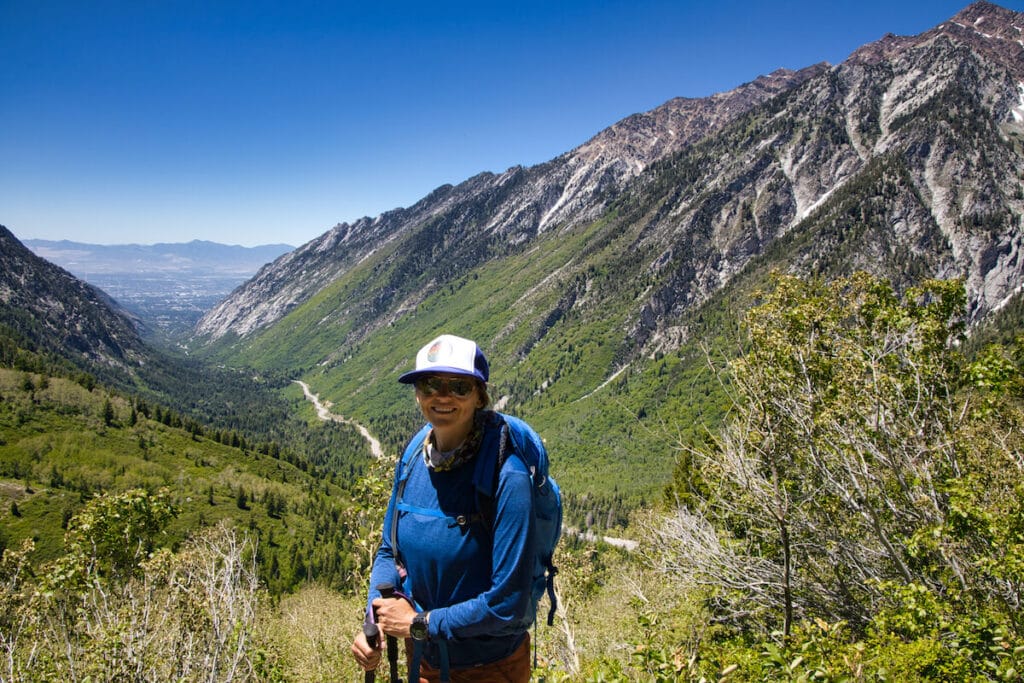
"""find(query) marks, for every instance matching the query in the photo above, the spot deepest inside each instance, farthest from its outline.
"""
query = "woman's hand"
(394, 616)
(366, 656)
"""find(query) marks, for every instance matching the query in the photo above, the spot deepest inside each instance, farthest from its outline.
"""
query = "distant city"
(168, 287)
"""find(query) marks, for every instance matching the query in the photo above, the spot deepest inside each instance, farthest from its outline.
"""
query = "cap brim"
(412, 376)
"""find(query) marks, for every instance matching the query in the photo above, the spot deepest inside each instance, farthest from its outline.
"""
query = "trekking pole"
(387, 590)
(372, 634)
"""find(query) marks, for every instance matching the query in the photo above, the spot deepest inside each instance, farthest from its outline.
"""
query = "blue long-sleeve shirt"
(474, 579)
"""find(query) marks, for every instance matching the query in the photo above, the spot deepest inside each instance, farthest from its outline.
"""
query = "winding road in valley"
(323, 411)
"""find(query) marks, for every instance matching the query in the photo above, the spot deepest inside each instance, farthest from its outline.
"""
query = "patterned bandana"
(465, 452)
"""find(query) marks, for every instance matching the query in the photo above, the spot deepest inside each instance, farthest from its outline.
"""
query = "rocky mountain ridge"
(939, 115)
(571, 188)
(987, 28)
(805, 135)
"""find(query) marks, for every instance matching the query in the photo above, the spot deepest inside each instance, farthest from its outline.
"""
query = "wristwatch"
(418, 627)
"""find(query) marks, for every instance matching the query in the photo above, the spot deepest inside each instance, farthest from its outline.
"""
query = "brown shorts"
(512, 669)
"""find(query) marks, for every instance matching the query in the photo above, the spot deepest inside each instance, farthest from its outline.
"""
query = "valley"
(167, 287)
(771, 339)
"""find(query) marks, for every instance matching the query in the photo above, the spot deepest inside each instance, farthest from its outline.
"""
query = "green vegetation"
(860, 515)
(62, 444)
(855, 515)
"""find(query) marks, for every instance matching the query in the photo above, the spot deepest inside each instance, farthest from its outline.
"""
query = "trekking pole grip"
(387, 590)
(372, 634)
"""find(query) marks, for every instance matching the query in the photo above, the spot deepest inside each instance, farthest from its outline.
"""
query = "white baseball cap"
(451, 355)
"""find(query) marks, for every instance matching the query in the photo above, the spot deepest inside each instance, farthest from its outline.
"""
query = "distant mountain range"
(197, 257)
(167, 286)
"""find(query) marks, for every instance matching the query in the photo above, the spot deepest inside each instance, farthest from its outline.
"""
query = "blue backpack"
(516, 437)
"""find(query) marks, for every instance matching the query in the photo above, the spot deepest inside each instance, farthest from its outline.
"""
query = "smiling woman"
(465, 576)
(449, 404)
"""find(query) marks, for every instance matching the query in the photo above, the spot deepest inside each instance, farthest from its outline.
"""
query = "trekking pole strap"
(414, 664)
(442, 647)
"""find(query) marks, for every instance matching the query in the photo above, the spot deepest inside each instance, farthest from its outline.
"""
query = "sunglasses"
(428, 386)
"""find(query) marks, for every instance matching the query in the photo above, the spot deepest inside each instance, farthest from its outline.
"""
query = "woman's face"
(448, 401)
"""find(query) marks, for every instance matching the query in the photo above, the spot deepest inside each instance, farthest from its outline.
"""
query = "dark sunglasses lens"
(461, 387)
(428, 385)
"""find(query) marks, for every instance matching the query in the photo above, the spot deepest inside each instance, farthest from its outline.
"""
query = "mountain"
(512, 206)
(48, 310)
(595, 279)
(167, 286)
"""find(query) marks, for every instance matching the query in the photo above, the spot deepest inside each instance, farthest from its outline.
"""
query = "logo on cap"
(434, 351)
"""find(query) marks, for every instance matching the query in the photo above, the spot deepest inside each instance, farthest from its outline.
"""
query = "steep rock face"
(511, 208)
(922, 131)
(947, 112)
(55, 312)
(626, 149)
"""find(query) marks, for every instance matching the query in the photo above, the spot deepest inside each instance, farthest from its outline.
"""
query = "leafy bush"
(117, 607)
(864, 499)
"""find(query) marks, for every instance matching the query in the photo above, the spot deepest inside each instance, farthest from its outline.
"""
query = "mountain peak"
(988, 28)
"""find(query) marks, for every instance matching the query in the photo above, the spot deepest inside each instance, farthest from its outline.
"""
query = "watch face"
(418, 628)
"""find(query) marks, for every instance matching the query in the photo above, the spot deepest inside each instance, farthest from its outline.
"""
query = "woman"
(465, 569)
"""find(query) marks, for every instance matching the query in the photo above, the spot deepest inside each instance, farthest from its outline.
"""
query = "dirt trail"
(323, 411)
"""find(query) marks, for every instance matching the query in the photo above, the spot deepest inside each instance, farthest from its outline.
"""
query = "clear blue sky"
(142, 121)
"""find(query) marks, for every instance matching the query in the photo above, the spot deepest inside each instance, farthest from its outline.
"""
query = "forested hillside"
(858, 517)
(53, 324)
(63, 444)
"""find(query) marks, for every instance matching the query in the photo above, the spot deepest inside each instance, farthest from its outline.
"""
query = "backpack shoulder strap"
(405, 466)
(412, 451)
